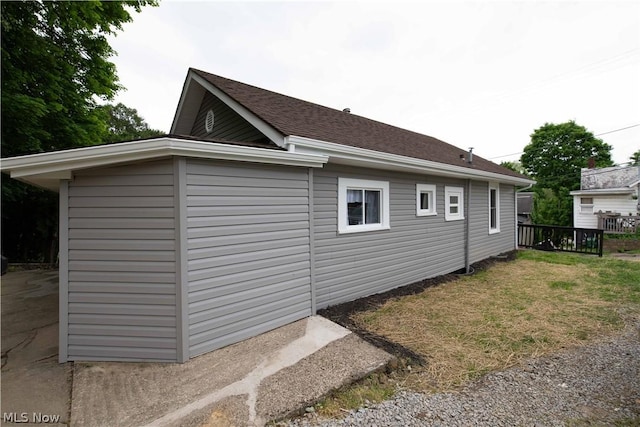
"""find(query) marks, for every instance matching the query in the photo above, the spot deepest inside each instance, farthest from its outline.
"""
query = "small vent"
(208, 124)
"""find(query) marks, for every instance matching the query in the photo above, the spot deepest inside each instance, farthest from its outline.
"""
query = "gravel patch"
(596, 384)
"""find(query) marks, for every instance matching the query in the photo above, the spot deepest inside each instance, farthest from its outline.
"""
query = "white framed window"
(426, 200)
(363, 205)
(494, 208)
(586, 205)
(453, 203)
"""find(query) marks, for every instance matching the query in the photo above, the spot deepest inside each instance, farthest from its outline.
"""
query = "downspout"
(467, 220)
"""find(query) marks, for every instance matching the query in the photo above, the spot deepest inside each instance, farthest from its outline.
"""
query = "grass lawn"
(540, 303)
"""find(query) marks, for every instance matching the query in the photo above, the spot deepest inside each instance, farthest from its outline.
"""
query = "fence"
(564, 239)
(618, 224)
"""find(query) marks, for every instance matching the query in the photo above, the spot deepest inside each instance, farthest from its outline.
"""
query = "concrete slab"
(245, 384)
(35, 387)
(249, 383)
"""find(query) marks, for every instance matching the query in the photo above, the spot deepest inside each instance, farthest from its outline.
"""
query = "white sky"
(480, 74)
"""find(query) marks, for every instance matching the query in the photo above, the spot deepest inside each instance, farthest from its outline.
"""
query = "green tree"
(554, 158)
(514, 166)
(124, 124)
(55, 66)
(635, 158)
(557, 152)
(552, 207)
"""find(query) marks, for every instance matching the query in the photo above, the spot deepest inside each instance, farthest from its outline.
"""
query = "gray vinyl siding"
(248, 251)
(484, 245)
(227, 124)
(350, 266)
(121, 264)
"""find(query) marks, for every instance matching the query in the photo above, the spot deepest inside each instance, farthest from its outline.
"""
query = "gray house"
(257, 210)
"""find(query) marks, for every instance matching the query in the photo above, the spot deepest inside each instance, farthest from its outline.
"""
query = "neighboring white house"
(613, 190)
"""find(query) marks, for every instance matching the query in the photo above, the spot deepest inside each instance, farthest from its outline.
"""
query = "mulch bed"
(342, 313)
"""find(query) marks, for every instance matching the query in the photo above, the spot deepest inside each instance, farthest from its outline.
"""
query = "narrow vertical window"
(425, 200)
(494, 208)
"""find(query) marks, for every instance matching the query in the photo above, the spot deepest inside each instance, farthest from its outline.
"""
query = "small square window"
(453, 199)
(586, 205)
(425, 200)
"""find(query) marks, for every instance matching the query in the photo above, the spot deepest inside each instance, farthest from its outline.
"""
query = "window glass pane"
(586, 200)
(494, 219)
(354, 207)
(372, 207)
(453, 200)
(453, 209)
(424, 200)
(493, 198)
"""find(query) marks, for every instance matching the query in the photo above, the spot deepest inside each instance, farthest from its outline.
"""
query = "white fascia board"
(187, 95)
(339, 153)
(46, 167)
(602, 192)
(256, 122)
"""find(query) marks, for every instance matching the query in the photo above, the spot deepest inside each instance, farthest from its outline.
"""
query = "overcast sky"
(480, 74)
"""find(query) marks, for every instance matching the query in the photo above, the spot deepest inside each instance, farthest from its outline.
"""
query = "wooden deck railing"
(612, 223)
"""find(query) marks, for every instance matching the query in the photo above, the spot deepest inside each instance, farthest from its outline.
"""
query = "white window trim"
(587, 208)
(362, 184)
(496, 187)
(453, 191)
(426, 188)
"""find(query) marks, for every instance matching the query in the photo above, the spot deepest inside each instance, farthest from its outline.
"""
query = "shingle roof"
(292, 116)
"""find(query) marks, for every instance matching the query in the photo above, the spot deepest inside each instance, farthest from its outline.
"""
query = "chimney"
(347, 110)
(470, 159)
(591, 163)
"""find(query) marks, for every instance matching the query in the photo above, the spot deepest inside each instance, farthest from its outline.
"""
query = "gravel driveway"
(597, 384)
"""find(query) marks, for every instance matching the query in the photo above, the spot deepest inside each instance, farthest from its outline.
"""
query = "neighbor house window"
(494, 208)
(586, 205)
(453, 203)
(425, 199)
(363, 205)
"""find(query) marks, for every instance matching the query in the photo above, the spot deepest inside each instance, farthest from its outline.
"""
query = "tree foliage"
(635, 159)
(554, 158)
(552, 207)
(124, 124)
(557, 152)
(55, 64)
(514, 166)
(55, 68)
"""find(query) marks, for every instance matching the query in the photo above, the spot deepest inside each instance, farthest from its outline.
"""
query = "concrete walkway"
(245, 384)
(35, 387)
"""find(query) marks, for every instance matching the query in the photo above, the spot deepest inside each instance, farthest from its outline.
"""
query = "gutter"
(467, 220)
(47, 169)
(376, 159)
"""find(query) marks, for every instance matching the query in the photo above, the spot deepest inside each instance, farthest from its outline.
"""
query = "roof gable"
(294, 117)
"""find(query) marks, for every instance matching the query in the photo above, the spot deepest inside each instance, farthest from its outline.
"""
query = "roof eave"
(339, 153)
(47, 169)
(603, 192)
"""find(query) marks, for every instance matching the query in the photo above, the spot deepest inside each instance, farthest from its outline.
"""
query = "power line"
(599, 134)
(618, 130)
